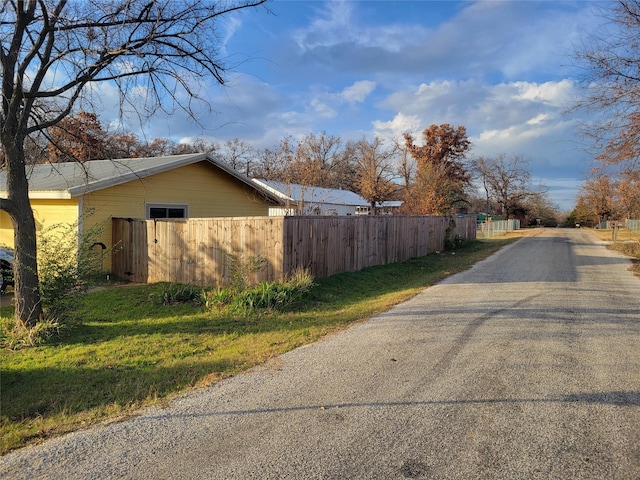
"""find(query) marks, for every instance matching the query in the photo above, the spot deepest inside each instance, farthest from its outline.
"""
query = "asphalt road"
(526, 366)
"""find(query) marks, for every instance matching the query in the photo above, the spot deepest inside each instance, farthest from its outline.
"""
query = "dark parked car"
(6, 268)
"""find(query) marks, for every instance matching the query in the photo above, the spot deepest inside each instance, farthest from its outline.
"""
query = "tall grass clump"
(173, 293)
(265, 296)
(14, 334)
(275, 295)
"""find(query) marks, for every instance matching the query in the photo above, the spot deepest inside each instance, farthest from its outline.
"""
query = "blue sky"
(503, 69)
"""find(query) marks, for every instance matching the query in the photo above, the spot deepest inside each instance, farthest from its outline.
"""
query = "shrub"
(451, 240)
(66, 266)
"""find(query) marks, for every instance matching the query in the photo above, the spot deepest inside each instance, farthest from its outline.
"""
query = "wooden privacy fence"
(207, 251)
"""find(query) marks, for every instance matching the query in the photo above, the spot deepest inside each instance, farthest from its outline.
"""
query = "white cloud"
(359, 91)
(557, 94)
(538, 119)
(231, 24)
(331, 26)
(400, 124)
(322, 109)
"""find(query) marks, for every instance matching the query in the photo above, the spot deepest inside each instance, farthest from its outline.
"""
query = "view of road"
(526, 366)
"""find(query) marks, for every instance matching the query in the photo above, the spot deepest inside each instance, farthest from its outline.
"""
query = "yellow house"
(90, 194)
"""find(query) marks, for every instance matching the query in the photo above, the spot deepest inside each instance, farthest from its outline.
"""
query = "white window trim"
(149, 206)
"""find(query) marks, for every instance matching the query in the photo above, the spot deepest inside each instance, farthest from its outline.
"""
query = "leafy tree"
(582, 215)
(77, 137)
(629, 193)
(442, 176)
(158, 147)
(55, 52)
(123, 145)
(433, 192)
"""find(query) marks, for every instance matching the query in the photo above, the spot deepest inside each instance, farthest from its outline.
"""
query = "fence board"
(199, 250)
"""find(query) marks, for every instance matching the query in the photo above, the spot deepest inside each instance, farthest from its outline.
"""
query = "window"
(161, 210)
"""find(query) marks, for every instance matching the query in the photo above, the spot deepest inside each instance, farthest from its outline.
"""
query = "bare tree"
(55, 51)
(269, 164)
(323, 161)
(406, 167)
(612, 90)
(541, 210)
(505, 180)
(238, 154)
(374, 171)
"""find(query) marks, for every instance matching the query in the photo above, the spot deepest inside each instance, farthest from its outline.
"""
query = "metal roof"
(72, 179)
(295, 193)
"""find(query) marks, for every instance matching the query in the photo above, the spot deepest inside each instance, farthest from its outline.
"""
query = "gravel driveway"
(526, 366)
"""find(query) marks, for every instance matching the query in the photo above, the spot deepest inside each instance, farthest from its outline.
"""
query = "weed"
(14, 334)
(173, 293)
(242, 270)
(219, 297)
(265, 295)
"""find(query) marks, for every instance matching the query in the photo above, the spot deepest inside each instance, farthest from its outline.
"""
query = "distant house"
(307, 200)
(177, 186)
(390, 207)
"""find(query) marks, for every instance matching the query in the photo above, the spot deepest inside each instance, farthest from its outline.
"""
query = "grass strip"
(627, 242)
(121, 349)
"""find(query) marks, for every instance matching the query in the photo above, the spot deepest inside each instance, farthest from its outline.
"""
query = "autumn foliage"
(442, 176)
(612, 90)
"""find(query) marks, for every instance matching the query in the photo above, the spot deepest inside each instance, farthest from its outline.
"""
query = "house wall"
(206, 190)
(46, 212)
(6, 230)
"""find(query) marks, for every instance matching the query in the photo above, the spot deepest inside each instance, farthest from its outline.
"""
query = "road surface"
(526, 366)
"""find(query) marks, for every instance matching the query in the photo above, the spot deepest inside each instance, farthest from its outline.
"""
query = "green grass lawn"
(121, 349)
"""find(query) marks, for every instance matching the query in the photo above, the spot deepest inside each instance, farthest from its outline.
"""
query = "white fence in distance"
(497, 228)
(633, 225)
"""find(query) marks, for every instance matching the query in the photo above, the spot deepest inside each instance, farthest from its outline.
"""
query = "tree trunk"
(28, 306)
